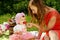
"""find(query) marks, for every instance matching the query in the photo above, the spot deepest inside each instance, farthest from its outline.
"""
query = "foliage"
(53, 3)
(14, 6)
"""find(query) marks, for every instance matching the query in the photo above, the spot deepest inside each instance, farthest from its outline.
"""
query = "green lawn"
(5, 18)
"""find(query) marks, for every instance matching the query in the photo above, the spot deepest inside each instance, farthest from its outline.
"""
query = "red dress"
(49, 15)
(56, 27)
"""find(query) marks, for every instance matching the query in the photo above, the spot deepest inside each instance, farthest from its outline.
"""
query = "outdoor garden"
(9, 8)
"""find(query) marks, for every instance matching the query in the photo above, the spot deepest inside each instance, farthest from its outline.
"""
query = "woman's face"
(34, 9)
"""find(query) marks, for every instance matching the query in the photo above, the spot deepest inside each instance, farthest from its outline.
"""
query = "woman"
(48, 19)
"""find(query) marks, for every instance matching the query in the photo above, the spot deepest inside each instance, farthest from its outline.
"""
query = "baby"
(21, 23)
(20, 28)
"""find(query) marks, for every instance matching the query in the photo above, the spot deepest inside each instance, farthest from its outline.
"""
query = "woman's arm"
(36, 25)
(46, 28)
(29, 25)
(52, 22)
(43, 27)
(50, 25)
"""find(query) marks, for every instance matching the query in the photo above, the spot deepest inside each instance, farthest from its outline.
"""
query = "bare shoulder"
(50, 8)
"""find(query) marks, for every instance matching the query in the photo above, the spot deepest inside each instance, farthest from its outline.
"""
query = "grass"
(5, 18)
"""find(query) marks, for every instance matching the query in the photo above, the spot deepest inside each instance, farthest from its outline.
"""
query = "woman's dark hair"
(41, 11)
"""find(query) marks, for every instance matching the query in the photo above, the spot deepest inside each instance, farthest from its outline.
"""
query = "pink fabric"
(7, 27)
(15, 37)
(27, 36)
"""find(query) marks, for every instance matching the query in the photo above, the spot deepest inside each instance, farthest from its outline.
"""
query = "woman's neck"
(48, 9)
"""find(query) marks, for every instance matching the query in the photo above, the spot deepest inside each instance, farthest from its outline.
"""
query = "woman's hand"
(29, 25)
(32, 24)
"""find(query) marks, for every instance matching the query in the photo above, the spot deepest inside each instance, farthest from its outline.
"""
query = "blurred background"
(9, 8)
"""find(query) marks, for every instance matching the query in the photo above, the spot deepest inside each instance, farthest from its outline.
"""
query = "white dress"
(20, 28)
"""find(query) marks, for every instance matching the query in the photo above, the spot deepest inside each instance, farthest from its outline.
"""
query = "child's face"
(22, 20)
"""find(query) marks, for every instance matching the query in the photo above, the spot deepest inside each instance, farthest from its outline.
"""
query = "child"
(20, 29)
